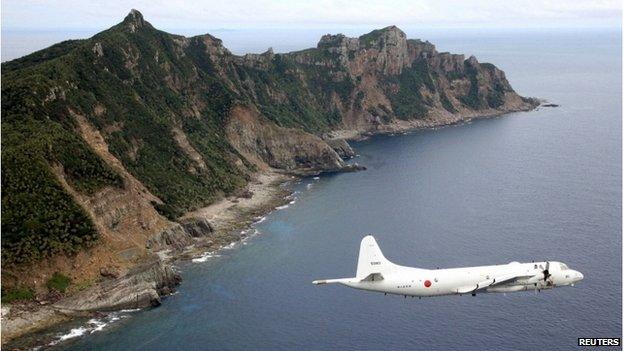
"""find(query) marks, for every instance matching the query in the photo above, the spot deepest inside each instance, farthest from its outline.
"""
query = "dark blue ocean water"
(543, 185)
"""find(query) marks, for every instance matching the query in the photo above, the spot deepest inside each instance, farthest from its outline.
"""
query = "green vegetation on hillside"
(306, 102)
(58, 282)
(369, 38)
(407, 102)
(472, 99)
(16, 294)
(39, 218)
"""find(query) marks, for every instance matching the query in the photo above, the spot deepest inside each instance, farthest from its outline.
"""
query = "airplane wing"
(501, 279)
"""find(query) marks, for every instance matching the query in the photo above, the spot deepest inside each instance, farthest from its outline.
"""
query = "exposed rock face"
(268, 144)
(141, 287)
(174, 237)
(16, 323)
(179, 236)
(110, 272)
(135, 21)
(198, 227)
(342, 148)
(399, 79)
(381, 80)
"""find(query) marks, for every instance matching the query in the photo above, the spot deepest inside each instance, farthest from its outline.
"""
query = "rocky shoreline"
(146, 283)
(204, 230)
(436, 120)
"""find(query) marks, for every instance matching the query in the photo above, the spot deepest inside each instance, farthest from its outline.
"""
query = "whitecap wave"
(205, 257)
(92, 326)
(229, 246)
(316, 178)
(281, 207)
(98, 325)
(309, 186)
(74, 333)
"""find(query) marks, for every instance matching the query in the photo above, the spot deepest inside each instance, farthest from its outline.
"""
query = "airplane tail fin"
(372, 265)
(371, 261)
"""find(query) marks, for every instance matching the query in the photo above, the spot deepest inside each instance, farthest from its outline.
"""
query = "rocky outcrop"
(180, 235)
(173, 238)
(141, 287)
(267, 144)
(17, 322)
(342, 148)
(396, 80)
(200, 227)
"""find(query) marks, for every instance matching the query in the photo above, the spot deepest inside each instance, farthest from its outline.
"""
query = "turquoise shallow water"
(539, 185)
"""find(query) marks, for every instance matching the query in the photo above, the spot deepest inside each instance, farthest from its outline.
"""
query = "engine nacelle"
(538, 278)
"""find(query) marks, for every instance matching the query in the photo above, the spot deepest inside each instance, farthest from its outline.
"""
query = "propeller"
(546, 271)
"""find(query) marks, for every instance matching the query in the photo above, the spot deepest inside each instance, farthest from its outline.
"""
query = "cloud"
(170, 14)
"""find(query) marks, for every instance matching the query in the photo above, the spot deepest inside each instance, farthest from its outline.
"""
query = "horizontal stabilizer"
(334, 281)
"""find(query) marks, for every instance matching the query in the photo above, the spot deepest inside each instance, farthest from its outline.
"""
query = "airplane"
(376, 273)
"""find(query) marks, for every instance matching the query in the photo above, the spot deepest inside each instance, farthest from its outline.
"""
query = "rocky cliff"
(108, 141)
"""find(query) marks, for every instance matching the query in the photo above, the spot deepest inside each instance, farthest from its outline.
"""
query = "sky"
(246, 14)
(287, 25)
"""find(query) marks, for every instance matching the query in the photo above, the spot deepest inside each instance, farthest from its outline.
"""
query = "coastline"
(231, 215)
(264, 192)
(228, 217)
(436, 119)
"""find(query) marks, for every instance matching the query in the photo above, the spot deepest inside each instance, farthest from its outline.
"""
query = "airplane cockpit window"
(563, 266)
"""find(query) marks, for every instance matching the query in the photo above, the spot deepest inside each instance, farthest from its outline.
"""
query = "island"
(132, 148)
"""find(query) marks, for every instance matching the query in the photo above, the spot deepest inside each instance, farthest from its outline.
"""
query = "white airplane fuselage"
(376, 273)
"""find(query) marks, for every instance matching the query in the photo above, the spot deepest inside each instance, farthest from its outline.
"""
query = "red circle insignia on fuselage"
(427, 283)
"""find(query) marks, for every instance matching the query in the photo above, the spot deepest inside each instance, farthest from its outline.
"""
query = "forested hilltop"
(118, 135)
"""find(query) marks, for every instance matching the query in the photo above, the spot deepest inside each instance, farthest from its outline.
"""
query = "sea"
(539, 185)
